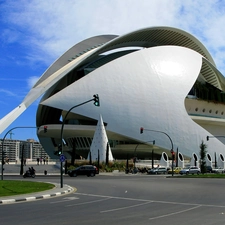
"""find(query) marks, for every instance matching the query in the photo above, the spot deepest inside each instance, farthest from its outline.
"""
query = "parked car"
(218, 170)
(158, 170)
(176, 170)
(190, 170)
(87, 170)
(209, 169)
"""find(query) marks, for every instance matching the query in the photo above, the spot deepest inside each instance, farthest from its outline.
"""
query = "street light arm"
(207, 137)
(162, 133)
(61, 134)
(142, 129)
(3, 140)
(142, 143)
(63, 123)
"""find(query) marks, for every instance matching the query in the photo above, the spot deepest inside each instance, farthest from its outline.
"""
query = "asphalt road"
(125, 199)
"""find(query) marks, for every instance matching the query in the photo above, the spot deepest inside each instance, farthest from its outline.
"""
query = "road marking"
(171, 214)
(122, 208)
(65, 200)
(71, 198)
(113, 197)
(149, 200)
(84, 203)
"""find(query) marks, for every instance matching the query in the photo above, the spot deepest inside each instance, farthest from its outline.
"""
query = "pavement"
(56, 191)
(13, 169)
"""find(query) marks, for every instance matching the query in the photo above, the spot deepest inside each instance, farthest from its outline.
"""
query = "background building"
(31, 150)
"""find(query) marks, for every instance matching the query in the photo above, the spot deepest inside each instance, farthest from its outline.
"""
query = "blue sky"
(34, 33)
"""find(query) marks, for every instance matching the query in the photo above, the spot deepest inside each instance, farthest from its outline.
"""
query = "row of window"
(210, 111)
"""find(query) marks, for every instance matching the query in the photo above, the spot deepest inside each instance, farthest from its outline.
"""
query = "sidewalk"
(38, 195)
(15, 169)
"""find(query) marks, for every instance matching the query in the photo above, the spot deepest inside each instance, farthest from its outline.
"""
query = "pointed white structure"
(100, 144)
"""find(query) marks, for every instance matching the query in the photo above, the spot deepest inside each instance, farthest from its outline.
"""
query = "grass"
(11, 187)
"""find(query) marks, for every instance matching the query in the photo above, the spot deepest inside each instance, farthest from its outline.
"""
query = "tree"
(203, 152)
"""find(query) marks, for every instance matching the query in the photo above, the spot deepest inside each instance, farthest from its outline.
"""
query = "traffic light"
(45, 129)
(173, 154)
(59, 151)
(207, 138)
(141, 130)
(96, 100)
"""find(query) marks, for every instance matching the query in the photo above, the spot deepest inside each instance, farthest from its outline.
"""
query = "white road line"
(65, 200)
(84, 203)
(171, 214)
(149, 200)
(105, 196)
(122, 208)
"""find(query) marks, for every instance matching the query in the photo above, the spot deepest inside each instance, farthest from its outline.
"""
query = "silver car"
(218, 170)
(190, 170)
(158, 170)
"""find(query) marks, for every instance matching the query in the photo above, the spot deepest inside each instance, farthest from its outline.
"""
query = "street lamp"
(3, 140)
(96, 103)
(172, 152)
(135, 155)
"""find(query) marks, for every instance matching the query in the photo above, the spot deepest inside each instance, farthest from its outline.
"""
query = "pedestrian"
(44, 160)
(38, 161)
(32, 170)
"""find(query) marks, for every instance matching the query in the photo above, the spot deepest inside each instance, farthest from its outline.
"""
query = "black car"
(209, 169)
(87, 170)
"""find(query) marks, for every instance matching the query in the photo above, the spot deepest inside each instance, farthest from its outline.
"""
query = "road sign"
(62, 158)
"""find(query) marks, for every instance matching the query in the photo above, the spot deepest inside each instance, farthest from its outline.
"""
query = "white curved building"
(159, 78)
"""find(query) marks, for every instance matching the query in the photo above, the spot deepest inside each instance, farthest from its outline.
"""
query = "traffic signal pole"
(142, 130)
(3, 140)
(96, 103)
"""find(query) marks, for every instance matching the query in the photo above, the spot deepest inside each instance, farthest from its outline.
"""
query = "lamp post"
(22, 160)
(135, 155)
(153, 155)
(3, 140)
(172, 152)
(96, 103)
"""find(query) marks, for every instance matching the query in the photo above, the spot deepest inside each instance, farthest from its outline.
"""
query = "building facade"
(160, 78)
(30, 148)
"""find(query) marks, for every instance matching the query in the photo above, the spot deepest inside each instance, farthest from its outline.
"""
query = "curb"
(37, 196)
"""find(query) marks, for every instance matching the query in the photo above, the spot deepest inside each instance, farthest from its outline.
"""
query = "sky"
(34, 33)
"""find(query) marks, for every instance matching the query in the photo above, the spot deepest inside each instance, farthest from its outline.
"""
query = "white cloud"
(31, 81)
(7, 92)
(49, 28)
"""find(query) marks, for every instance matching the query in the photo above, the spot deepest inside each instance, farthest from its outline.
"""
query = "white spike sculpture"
(100, 144)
